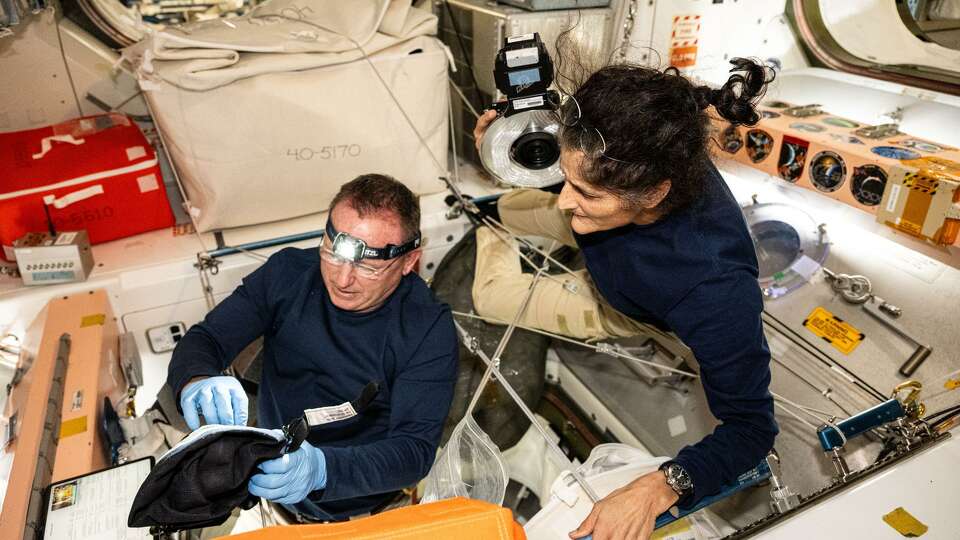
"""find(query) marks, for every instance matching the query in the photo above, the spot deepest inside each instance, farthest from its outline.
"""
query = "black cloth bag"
(200, 484)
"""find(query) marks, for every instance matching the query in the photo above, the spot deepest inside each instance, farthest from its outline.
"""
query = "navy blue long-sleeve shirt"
(695, 272)
(317, 355)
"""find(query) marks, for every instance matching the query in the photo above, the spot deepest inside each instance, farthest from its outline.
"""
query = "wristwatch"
(677, 478)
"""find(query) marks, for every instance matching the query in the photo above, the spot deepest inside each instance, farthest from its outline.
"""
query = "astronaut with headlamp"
(334, 320)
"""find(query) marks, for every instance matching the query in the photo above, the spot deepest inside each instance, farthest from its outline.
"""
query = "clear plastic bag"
(470, 465)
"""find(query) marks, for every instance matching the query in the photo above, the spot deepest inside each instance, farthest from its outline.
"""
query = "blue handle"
(231, 250)
(875, 416)
(750, 478)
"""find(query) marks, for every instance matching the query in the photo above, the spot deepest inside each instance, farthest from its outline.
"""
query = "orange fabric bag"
(460, 519)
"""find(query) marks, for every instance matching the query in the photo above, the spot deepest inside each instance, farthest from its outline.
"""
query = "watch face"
(683, 479)
(678, 478)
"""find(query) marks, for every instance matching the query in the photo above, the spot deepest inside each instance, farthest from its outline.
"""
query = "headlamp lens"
(348, 248)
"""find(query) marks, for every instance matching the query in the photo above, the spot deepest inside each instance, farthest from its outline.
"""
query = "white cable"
(252, 254)
(454, 142)
(778, 399)
(494, 224)
(810, 411)
(559, 337)
(795, 415)
(463, 98)
(551, 444)
(505, 338)
(493, 369)
(804, 409)
(807, 410)
(843, 438)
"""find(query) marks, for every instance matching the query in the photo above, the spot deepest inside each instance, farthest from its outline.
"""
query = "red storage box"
(97, 173)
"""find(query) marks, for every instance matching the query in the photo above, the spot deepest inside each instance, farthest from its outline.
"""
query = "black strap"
(390, 251)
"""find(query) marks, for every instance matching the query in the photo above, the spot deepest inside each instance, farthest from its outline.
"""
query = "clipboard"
(95, 505)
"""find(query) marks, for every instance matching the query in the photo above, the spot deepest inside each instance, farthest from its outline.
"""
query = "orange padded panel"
(866, 167)
(459, 519)
(92, 372)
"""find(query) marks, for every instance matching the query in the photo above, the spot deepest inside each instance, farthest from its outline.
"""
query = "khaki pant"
(561, 304)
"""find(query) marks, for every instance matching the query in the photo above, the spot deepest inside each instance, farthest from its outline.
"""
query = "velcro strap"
(47, 143)
(70, 198)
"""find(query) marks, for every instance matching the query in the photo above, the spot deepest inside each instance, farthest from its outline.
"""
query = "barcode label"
(526, 103)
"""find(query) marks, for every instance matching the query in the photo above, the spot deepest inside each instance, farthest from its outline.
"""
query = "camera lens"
(535, 150)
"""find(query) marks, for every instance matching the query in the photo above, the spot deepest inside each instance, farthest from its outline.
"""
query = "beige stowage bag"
(266, 115)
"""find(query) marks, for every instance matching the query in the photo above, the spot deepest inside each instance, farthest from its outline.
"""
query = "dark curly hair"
(639, 126)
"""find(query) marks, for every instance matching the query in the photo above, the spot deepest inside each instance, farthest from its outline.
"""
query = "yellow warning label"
(904, 523)
(947, 426)
(833, 330)
(934, 164)
(73, 426)
(93, 320)
(678, 529)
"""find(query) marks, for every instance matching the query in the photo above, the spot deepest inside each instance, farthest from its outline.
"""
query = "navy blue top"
(316, 355)
(695, 272)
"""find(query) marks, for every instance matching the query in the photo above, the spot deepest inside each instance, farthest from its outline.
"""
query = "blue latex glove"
(220, 399)
(288, 479)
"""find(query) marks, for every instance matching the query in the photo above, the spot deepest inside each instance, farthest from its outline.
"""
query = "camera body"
(523, 71)
(520, 147)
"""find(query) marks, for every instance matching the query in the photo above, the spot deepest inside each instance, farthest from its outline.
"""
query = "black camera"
(523, 68)
(520, 147)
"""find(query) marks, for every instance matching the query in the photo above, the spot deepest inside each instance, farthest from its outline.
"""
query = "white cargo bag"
(267, 115)
(609, 467)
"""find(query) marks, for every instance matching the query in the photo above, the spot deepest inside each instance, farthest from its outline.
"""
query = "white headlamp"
(355, 250)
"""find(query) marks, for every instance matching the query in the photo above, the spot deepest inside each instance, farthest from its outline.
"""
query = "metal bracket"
(207, 266)
(12, 271)
(880, 131)
(912, 405)
(472, 344)
(781, 497)
(463, 202)
(206, 263)
(571, 286)
(804, 111)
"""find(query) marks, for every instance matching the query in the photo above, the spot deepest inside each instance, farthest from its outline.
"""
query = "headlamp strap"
(390, 251)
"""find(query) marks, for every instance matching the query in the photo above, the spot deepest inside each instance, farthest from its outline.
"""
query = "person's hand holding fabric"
(291, 477)
(220, 399)
(629, 512)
